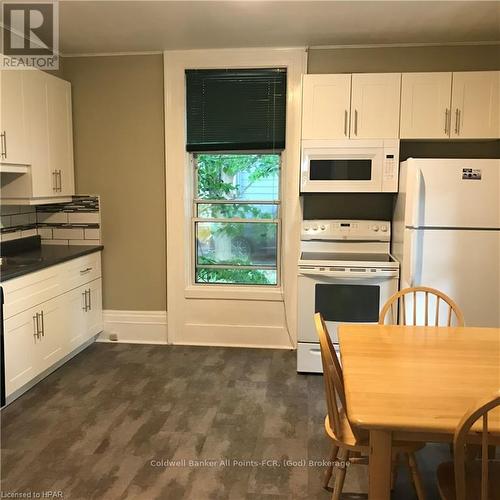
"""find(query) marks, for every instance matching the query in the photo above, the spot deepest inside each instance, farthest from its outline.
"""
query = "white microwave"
(350, 166)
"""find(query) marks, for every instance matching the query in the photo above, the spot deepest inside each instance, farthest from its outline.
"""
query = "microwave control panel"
(390, 169)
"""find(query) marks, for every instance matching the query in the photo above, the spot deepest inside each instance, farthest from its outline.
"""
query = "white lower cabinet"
(22, 355)
(43, 333)
(94, 321)
(83, 313)
(53, 344)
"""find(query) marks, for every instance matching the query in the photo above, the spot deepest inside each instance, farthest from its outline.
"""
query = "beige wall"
(119, 151)
(388, 59)
(119, 154)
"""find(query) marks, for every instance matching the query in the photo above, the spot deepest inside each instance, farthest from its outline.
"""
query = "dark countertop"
(32, 256)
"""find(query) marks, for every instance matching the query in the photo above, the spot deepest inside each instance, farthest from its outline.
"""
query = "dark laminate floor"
(92, 428)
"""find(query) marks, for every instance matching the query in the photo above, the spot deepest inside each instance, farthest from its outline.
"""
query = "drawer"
(309, 358)
(79, 271)
(27, 291)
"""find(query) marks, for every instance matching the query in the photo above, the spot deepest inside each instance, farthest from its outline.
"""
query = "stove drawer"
(309, 358)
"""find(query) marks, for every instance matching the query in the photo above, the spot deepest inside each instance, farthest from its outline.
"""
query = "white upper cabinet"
(326, 106)
(359, 106)
(476, 105)
(35, 84)
(425, 105)
(14, 146)
(61, 134)
(461, 105)
(375, 105)
(48, 131)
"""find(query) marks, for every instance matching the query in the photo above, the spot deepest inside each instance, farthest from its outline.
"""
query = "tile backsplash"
(75, 223)
(17, 222)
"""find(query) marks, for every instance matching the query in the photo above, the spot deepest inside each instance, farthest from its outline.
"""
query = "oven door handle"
(347, 275)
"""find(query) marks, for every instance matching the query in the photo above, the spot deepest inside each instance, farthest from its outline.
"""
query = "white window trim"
(178, 172)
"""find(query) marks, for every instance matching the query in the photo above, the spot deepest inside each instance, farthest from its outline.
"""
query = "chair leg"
(395, 467)
(329, 470)
(415, 475)
(340, 476)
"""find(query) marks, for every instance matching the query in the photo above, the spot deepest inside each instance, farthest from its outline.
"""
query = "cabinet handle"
(90, 300)
(3, 137)
(36, 335)
(457, 121)
(85, 271)
(446, 113)
(84, 294)
(54, 180)
(345, 122)
(5, 143)
(42, 329)
(355, 122)
(60, 180)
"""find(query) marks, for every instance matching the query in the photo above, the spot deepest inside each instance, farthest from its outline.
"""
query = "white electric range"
(346, 273)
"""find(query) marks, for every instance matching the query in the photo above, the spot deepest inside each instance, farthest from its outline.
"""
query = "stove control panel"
(360, 230)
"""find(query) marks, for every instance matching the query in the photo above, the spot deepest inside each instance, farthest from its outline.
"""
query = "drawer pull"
(85, 271)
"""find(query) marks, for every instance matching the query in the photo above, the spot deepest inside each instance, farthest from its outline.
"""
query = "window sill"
(274, 294)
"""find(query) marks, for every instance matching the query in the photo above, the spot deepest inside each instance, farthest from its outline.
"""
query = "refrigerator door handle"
(417, 201)
(416, 258)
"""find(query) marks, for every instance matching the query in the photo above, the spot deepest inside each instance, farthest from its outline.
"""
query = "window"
(236, 218)
(235, 121)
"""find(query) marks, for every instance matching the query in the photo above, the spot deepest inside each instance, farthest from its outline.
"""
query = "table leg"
(380, 465)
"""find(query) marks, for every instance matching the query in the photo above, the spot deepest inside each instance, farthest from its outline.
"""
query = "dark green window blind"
(236, 109)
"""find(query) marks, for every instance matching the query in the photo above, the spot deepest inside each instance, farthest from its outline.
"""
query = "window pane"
(236, 243)
(236, 276)
(236, 210)
(237, 177)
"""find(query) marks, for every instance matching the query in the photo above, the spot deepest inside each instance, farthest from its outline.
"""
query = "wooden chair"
(402, 300)
(349, 442)
(471, 479)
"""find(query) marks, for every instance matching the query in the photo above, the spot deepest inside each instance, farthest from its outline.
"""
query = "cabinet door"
(61, 133)
(94, 322)
(36, 103)
(82, 313)
(475, 105)
(425, 105)
(22, 359)
(375, 106)
(326, 106)
(14, 141)
(75, 317)
(54, 344)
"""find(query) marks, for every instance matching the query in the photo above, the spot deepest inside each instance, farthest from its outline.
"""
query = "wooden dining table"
(415, 383)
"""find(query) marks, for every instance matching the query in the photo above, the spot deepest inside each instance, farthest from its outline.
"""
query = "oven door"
(348, 299)
(344, 170)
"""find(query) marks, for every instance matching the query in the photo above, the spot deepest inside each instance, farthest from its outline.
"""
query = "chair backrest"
(434, 305)
(459, 442)
(334, 380)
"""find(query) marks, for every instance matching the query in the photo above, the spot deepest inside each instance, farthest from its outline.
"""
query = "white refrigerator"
(446, 232)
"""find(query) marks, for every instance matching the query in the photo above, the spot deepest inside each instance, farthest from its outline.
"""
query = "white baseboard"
(223, 335)
(134, 327)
